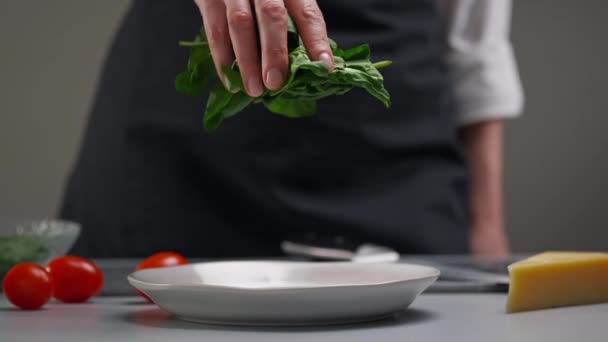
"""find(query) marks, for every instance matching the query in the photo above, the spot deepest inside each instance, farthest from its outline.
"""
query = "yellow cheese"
(554, 279)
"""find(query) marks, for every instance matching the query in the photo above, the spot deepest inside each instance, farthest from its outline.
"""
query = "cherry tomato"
(76, 279)
(162, 259)
(28, 286)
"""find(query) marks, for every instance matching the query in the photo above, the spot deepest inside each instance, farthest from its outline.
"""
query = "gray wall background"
(556, 189)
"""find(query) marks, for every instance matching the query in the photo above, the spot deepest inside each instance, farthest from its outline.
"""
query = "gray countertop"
(432, 317)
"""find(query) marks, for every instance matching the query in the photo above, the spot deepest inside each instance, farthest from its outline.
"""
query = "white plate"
(284, 293)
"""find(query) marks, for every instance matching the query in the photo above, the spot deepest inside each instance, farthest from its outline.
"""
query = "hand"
(489, 240)
(232, 29)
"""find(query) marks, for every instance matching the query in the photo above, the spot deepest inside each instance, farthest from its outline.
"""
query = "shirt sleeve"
(480, 60)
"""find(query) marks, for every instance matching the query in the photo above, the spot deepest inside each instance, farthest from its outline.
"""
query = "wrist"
(489, 240)
(486, 219)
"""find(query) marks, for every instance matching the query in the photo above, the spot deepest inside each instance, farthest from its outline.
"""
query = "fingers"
(231, 30)
(272, 24)
(241, 25)
(312, 29)
(216, 29)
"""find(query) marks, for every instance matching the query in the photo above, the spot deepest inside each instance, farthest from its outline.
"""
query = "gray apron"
(149, 178)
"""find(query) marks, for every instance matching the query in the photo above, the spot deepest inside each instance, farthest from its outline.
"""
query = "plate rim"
(433, 276)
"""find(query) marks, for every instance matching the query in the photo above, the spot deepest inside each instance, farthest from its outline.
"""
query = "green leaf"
(360, 52)
(359, 78)
(184, 85)
(199, 55)
(238, 102)
(298, 61)
(232, 79)
(223, 104)
(339, 62)
(219, 98)
(194, 81)
(292, 108)
(333, 44)
(307, 82)
(319, 69)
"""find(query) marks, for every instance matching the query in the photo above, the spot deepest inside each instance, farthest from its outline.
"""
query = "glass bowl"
(34, 240)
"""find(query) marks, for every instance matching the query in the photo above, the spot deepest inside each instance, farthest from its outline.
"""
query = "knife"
(337, 248)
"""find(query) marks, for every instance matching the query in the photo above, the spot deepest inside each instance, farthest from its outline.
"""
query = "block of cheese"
(555, 279)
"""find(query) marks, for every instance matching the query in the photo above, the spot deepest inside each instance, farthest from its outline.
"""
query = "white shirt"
(480, 60)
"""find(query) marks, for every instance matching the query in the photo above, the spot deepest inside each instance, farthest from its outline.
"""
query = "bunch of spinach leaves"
(307, 82)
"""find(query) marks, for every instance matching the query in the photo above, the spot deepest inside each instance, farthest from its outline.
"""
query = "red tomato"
(76, 279)
(162, 259)
(28, 286)
(145, 296)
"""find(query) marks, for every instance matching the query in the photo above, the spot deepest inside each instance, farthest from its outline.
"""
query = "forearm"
(483, 143)
(483, 149)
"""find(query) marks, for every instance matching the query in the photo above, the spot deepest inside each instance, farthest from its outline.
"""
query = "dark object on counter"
(458, 273)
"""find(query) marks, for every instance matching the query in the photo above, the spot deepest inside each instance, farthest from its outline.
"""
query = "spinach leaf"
(219, 99)
(308, 81)
(232, 79)
(291, 107)
(200, 70)
(237, 103)
(184, 85)
(360, 52)
(223, 104)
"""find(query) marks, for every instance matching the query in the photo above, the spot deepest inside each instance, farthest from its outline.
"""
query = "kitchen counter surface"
(432, 317)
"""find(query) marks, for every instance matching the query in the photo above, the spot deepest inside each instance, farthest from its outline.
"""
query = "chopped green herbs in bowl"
(39, 241)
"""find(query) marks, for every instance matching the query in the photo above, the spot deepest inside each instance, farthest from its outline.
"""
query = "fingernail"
(327, 60)
(274, 78)
(254, 87)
